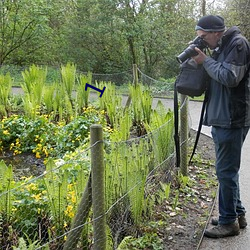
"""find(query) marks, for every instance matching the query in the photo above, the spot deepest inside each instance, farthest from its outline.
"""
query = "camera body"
(190, 51)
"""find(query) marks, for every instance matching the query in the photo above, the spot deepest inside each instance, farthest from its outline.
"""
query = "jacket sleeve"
(230, 70)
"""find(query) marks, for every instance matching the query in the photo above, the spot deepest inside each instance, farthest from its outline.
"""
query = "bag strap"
(176, 126)
(199, 127)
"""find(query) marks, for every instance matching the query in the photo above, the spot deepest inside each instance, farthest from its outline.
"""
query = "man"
(228, 112)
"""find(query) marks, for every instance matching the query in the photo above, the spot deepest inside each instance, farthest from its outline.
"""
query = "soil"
(186, 223)
(25, 164)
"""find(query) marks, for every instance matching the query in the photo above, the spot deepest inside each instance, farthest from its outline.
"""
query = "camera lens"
(187, 53)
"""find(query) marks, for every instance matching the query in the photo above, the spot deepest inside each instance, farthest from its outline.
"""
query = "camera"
(190, 51)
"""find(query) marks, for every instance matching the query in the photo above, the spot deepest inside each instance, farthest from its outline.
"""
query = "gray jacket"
(228, 103)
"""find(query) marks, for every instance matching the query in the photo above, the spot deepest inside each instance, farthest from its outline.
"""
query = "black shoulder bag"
(191, 81)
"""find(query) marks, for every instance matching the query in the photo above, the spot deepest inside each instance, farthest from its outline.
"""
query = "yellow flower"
(45, 151)
(6, 132)
(14, 209)
(31, 187)
(69, 211)
(17, 152)
(73, 199)
(38, 156)
(37, 196)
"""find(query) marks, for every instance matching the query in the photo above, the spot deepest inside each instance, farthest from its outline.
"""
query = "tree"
(20, 22)
(237, 12)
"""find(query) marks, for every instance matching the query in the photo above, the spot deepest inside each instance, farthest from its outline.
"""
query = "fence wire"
(48, 203)
(43, 210)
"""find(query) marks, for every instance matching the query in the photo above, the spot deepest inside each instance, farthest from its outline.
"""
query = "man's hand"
(200, 58)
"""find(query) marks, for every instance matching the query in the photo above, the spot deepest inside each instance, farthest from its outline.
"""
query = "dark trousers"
(228, 145)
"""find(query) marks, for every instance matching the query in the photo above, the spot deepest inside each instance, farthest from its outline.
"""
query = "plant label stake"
(95, 88)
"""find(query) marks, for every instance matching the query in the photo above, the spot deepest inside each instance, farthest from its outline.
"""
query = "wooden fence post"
(80, 218)
(135, 74)
(98, 194)
(135, 82)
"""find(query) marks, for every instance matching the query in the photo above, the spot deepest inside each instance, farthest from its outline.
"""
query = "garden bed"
(178, 221)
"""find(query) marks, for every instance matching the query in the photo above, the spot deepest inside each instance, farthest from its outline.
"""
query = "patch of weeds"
(147, 241)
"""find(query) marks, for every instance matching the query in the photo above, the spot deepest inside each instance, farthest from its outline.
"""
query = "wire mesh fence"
(48, 209)
(55, 210)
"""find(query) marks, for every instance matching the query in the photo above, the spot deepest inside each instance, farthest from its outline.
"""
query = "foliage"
(46, 205)
(30, 204)
(23, 28)
(51, 200)
(5, 90)
(102, 36)
(82, 98)
(113, 109)
(44, 138)
(34, 81)
(147, 241)
(163, 123)
(141, 99)
(68, 73)
(6, 184)
(22, 245)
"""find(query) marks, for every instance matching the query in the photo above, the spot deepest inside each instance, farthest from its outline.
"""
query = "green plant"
(113, 109)
(126, 172)
(30, 207)
(147, 241)
(5, 90)
(6, 184)
(68, 74)
(141, 104)
(56, 187)
(176, 199)
(28, 244)
(48, 98)
(121, 131)
(164, 191)
(161, 126)
(82, 95)
(34, 81)
(184, 181)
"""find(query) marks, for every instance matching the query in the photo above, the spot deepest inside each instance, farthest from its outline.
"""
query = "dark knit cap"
(210, 23)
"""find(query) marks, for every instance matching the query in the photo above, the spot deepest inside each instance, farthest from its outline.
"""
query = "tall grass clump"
(5, 90)
(68, 74)
(82, 95)
(34, 80)
(112, 108)
(161, 130)
(141, 105)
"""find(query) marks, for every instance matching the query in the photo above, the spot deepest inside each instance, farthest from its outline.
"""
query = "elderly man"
(228, 112)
